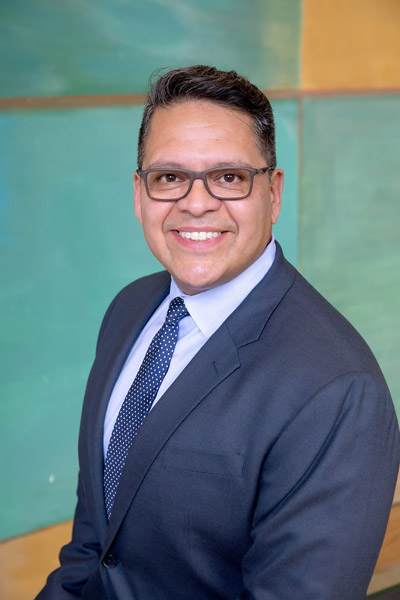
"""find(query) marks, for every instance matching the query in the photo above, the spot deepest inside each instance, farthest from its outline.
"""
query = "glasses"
(223, 183)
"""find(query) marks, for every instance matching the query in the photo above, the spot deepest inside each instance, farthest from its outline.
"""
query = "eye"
(168, 177)
(171, 177)
(228, 178)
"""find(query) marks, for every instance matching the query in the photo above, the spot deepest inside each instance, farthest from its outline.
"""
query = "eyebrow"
(217, 165)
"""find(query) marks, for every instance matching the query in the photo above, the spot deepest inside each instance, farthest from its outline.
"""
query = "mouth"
(201, 236)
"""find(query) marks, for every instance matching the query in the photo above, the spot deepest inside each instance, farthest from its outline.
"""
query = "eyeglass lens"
(173, 184)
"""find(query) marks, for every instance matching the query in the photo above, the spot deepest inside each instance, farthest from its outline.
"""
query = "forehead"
(201, 131)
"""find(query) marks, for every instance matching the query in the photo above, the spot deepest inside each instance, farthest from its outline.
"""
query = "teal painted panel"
(350, 216)
(68, 242)
(52, 48)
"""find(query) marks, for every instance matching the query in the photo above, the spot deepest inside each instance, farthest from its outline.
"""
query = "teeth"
(199, 235)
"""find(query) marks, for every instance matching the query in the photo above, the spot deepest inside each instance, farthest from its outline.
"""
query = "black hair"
(226, 88)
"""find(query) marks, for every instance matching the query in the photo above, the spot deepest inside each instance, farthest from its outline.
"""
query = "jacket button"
(109, 561)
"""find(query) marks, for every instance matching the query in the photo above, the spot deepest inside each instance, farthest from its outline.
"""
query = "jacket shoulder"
(323, 335)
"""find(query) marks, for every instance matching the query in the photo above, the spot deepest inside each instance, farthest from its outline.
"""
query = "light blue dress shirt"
(208, 310)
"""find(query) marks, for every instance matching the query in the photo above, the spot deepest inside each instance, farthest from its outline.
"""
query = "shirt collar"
(211, 308)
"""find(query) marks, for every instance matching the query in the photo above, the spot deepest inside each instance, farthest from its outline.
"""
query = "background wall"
(72, 79)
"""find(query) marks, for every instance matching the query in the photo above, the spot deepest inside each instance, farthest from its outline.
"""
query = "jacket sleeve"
(78, 559)
(325, 495)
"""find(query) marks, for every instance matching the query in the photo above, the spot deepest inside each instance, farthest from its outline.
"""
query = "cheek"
(253, 221)
(153, 219)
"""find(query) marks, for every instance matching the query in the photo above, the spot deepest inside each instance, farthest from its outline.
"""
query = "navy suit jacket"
(265, 472)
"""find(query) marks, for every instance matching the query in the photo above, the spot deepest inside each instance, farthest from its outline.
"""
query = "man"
(255, 454)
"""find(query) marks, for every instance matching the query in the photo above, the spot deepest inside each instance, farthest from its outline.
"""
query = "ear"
(276, 187)
(137, 196)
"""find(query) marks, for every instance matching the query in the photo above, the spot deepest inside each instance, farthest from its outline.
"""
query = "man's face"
(198, 135)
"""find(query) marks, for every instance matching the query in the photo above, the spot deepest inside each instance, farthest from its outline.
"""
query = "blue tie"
(140, 397)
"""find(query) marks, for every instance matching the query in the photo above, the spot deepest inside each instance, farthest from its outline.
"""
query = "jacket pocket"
(203, 462)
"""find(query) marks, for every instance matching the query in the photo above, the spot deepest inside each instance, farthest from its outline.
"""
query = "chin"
(195, 285)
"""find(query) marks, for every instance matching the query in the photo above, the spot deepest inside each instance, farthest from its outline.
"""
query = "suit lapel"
(174, 406)
(216, 360)
(246, 323)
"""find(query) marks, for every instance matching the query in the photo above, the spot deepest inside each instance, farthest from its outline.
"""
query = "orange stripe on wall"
(350, 45)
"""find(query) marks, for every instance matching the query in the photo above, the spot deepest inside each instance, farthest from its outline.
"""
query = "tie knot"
(176, 311)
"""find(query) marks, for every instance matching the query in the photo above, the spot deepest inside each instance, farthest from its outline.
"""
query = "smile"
(199, 235)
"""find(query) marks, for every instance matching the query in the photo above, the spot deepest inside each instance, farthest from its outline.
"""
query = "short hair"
(226, 88)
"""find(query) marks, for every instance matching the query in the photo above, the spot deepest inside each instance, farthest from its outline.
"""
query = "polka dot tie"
(140, 397)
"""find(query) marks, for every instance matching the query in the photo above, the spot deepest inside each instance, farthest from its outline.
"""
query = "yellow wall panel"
(350, 44)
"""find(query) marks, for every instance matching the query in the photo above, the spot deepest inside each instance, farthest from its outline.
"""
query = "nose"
(198, 201)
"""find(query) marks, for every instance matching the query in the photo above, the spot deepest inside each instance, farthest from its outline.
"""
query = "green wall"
(69, 241)
(68, 237)
(50, 48)
(349, 236)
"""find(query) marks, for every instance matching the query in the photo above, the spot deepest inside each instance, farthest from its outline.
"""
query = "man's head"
(225, 88)
(198, 119)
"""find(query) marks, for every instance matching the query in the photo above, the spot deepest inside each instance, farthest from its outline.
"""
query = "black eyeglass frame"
(203, 176)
